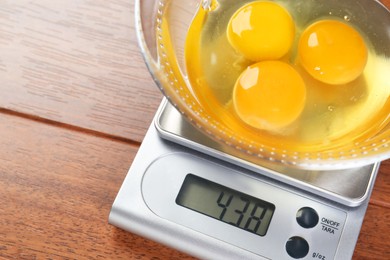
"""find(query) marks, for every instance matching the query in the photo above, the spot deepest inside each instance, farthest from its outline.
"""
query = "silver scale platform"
(171, 136)
(348, 187)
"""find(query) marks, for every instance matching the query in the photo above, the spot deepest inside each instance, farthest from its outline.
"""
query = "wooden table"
(76, 100)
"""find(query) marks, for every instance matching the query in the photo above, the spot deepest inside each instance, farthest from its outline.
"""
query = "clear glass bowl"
(162, 26)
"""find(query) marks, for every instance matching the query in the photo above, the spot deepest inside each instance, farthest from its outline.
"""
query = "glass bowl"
(364, 130)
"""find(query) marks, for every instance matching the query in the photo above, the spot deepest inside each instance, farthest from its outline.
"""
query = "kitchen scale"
(190, 193)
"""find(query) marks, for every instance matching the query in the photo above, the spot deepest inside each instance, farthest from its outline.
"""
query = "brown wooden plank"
(374, 240)
(56, 188)
(76, 62)
(381, 193)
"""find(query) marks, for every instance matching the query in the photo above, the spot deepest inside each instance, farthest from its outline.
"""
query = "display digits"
(252, 219)
(253, 223)
(227, 205)
(222, 204)
(241, 212)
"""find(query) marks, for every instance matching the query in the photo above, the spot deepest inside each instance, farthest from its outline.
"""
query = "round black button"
(307, 217)
(297, 247)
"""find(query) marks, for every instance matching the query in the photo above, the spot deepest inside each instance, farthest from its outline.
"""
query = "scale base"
(131, 212)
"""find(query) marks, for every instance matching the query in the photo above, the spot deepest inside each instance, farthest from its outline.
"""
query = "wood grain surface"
(76, 100)
(76, 62)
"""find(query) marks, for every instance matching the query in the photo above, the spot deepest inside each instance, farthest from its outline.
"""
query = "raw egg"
(261, 30)
(269, 95)
(332, 52)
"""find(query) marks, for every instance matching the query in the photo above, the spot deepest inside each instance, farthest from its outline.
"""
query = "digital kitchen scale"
(195, 195)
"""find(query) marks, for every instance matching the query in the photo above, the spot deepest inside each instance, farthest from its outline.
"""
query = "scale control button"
(307, 217)
(297, 247)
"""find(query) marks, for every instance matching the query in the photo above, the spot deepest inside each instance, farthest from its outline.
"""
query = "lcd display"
(227, 205)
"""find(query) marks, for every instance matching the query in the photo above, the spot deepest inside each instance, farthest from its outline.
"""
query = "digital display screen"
(225, 204)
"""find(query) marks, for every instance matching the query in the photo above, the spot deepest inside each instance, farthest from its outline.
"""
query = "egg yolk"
(269, 95)
(332, 52)
(261, 30)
